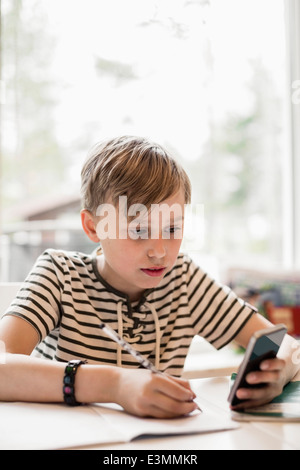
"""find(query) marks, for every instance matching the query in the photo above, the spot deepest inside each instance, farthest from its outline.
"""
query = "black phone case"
(252, 366)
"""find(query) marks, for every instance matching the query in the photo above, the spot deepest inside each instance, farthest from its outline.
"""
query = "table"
(47, 424)
(249, 435)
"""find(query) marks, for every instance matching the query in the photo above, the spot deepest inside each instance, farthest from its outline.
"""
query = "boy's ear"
(88, 225)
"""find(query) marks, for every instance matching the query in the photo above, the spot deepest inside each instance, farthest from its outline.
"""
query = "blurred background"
(215, 81)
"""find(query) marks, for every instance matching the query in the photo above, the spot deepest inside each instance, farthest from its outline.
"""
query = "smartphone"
(264, 344)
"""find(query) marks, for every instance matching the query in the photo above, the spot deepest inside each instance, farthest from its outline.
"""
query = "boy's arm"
(19, 336)
(139, 391)
(275, 373)
(25, 378)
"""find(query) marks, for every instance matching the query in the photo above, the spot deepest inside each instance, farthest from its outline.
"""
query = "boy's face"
(138, 252)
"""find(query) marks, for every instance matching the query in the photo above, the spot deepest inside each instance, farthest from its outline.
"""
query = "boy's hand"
(271, 375)
(144, 393)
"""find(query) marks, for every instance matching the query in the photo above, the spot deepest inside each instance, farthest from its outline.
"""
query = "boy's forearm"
(24, 378)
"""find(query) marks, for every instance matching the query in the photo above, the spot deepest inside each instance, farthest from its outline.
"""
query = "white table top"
(254, 435)
(22, 421)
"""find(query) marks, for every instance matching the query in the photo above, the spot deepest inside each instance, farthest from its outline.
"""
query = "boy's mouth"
(154, 272)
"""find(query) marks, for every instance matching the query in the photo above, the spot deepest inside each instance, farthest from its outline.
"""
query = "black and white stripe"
(64, 298)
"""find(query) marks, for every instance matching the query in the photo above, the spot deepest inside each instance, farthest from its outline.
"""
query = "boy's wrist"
(69, 382)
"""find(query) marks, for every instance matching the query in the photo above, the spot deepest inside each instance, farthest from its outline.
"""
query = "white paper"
(51, 426)
(132, 427)
(57, 426)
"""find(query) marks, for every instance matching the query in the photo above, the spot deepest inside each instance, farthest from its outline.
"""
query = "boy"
(133, 195)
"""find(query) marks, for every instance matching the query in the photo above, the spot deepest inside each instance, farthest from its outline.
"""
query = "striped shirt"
(65, 298)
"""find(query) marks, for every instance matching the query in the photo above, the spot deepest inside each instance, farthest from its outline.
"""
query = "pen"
(139, 357)
(117, 338)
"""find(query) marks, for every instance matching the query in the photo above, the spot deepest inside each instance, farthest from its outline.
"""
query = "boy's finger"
(172, 408)
(263, 377)
(175, 388)
(272, 364)
(183, 382)
(175, 403)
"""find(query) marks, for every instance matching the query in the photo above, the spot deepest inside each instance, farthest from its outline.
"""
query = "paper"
(55, 426)
(132, 427)
(51, 426)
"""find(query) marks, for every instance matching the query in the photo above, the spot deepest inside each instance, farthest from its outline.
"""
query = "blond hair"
(134, 167)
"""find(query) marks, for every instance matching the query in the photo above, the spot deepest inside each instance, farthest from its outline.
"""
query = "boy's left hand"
(272, 375)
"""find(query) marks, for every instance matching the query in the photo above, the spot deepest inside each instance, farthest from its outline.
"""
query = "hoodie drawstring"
(157, 332)
(120, 331)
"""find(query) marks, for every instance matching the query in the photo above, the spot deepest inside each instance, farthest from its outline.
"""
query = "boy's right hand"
(144, 393)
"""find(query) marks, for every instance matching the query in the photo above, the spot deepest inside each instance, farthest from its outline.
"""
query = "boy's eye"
(138, 232)
(172, 230)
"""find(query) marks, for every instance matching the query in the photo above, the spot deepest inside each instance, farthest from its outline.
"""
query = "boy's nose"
(157, 248)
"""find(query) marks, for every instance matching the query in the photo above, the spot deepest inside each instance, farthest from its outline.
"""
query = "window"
(293, 169)
(206, 78)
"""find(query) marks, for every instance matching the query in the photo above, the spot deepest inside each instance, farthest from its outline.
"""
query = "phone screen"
(263, 345)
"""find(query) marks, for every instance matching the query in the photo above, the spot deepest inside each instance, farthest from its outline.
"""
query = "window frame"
(291, 202)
